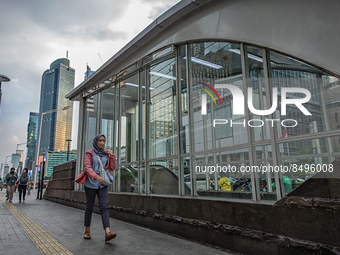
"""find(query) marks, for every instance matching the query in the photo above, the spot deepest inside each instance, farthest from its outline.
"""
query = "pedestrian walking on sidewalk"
(93, 184)
(10, 181)
(23, 180)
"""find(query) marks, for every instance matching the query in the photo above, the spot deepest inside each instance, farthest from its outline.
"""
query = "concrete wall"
(297, 224)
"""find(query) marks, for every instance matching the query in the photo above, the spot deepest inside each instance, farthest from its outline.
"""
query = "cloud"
(76, 18)
(35, 33)
(159, 7)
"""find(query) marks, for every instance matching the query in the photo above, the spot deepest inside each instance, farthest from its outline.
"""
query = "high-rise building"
(90, 108)
(2, 171)
(88, 72)
(5, 170)
(55, 158)
(32, 136)
(17, 159)
(56, 125)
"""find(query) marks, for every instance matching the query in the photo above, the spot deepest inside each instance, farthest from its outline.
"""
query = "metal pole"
(38, 186)
(0, 93)
(42, 178)
(68, 149)
(38, 147)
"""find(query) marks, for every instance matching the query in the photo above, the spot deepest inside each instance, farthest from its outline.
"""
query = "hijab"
(100, 152)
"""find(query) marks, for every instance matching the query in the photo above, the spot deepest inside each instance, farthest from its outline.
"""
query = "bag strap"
(100, 162)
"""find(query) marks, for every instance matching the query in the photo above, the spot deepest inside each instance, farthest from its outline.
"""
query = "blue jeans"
(90, 199)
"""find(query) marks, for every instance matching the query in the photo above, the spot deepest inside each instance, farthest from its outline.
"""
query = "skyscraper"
(17, 159)
(88, 72)
(56, 127)
(56, 158)
(90, 106)
(32, 136)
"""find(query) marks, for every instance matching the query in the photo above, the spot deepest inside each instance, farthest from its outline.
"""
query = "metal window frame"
(250, 145)
(269, 88)
(245, 72)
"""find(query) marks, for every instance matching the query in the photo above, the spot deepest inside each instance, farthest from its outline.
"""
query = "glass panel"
(163, 177)
(142, 122)
(184, 118)
(264, 177)
(303, 159)
(222, 174)
(255, 78)
(162, 110)
(212, 64)
(107, 112)
(157, 54)
(330, 96)
(316, 114)
(142, 178)
(129, 119)
(202, 179)
(116, 119)
(162, 52)
(331, 92)
(130, 68)
(128, 178)
(185, 176)
(91, 121)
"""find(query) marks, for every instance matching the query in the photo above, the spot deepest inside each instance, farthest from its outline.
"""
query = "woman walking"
(23, 180)
(93, 184)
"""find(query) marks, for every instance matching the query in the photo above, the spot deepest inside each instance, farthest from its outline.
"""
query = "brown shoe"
(87, 233)
(109, 236)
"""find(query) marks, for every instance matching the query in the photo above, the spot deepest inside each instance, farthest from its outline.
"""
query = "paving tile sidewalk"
(66, 225)
(13, 239)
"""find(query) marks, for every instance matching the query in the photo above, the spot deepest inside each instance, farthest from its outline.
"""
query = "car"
(32, 185)
(37, 184)
(296, 182)
(45, 183)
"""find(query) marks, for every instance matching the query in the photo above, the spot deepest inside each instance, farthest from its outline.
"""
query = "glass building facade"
(173, 135)
(212, 118)
(32, 136)
(54, 158)
(88, 72)
(55, 109)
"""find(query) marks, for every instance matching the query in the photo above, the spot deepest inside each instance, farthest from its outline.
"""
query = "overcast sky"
(35, 33)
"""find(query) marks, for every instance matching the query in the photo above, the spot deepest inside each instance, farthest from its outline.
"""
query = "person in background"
(93, 184)
(23, 180)
(10, 181)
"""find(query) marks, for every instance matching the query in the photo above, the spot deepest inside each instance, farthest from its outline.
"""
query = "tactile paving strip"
(43, 240)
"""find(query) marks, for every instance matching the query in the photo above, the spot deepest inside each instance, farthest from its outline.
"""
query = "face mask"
(12, 172)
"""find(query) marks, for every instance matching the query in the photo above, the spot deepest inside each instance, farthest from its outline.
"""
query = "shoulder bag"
(105, 175)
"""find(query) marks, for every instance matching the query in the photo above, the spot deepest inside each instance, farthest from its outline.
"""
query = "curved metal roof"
(305, 29)
(105, 71)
